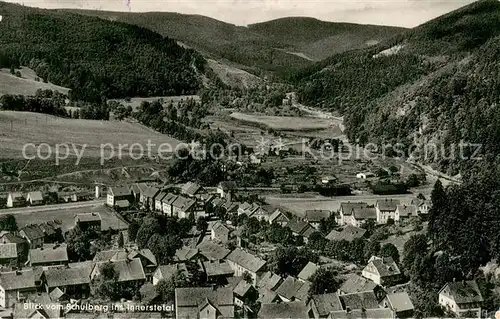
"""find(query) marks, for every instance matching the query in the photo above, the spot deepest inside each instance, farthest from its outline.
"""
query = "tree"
(437, 210)
(316, 241)
(415, 247)
(133, 228)
(166, 287)
(78, 242)
(324, 281)
(290, 260)
(8, 223)
(121, 241)
(372, 248)
(389, 250)
(247, 277)
(201, 224)
(106, 285)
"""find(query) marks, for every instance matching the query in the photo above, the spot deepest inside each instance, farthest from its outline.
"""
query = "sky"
(404, 13)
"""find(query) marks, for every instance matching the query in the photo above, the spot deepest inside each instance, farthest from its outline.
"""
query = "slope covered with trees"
(268, 46)
(436, 83)
(96, 58)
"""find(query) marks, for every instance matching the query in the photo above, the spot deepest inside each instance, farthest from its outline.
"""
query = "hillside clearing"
(26, 84)
(20, 128)
(285, 123)
(135, 102)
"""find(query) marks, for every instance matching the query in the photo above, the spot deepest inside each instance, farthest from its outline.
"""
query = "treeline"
(54, 103)
(96, 58)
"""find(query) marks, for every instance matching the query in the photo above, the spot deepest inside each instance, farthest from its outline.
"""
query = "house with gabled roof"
(192, 190)
(212, 251)
(382, 270)
(289, 310)
(423, 205)
(360, 215)
(74, 282)
(320, 306)
(461, 297)
(183, 206)
(346, 211)
(231, 207)
(356, 284)
(360, 300)
(220, 232)
(307, 272)
(14, 285)
(244, 292)
(48, 255)
(165, 272)
(128, 270)
(137, 189)
(184, 254)
(117, 193)
(270, 281)
(404, 213)
(279, 217)
(34, 198)
(375, 313)
(148, 260)
(314, 216)
(33, 235)
(8, 254)
(293, 289)
(300, 228)
(226, 189)
(243, 262)
(166, 203)
(349, 233)
(217, 271)
(204, 302)
(148, 195)
(400, 303)
(89, 221)
(159, 201)
(15, 199)
(386, 209)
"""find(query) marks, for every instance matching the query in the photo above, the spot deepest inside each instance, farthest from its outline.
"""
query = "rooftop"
(463, 291)
(49, 254)
(15, 280)
(349, 233)
(246, 260)
(290, 310)
(119, 191)
(388, 204)
(307, 272)
(60, 277)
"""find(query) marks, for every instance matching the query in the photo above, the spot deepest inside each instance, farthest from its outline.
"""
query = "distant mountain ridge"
(437, 83)
(274, 46)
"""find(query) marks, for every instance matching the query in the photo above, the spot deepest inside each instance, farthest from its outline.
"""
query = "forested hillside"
(436, 83)
(96, 58)
(276, 46)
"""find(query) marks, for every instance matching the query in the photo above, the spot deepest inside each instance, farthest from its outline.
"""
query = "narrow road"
(36, 209)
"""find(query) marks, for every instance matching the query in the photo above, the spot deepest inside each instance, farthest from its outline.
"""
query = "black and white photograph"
(267, 159)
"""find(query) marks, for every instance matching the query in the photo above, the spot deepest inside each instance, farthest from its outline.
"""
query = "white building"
(461, 297)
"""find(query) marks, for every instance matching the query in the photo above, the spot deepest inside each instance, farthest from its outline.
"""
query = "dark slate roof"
(362, 300)
(348, 207)
(14, 280)
(119, 190)
(290, 310)
(349, 233)
(293, 288)
(33, 232)
(212, 251)
(464, 291)
(385, 266)
(269, 281)
(316, 215)
(145, 253)
(150, 191)
(376, 313)
(388, 204)
(400, 301)
(60, 277)
(364, 213)
(49, 254)
(308, 271)
(326, 303)
(246, 260)
(242, 288)
(355, 284)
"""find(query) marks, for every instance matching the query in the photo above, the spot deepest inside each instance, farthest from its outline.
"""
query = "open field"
(26, 84)
(110, 219)
(135, 102)
(286, 123)
(20, 128)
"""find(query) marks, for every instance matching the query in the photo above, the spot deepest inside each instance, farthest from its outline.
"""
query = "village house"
(166, 204)
(279, 217)
(261, 213)
(365, 175)
(8, 254)
(346, 211)
(88, 221)
(300, 228)
(212, 251)
(247, 209)
(128, 270)
(357, 284)
(360, 215)
(399, 303)
(244, 292)
(242, 262)
(217, 271)
(461, 297)
(382, 271)
(231, 207)
(148, 197)
(21, 243)
(307, 272)
(320, 306)
(34, 198)
(183, 206)
(52, 231)
(159, 201)
(404, 213)
(422, 205)
(386, 209)
(204, 302)
(117, 193)
(147, 258)
(293, 289)
(33, 235)
(165, 272)
(289, 310)
(226, 190)
(381, 313)
(74, 282)
(220, 232)
(137, 189)
(360, 300)
(269, 280)
(349, 233)
(192, 190)
(15, 199)
(48, 255)
(15, 286)
(315, 216)
(185, 254)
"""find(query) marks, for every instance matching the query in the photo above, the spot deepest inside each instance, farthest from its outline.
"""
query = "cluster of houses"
(36, 198)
